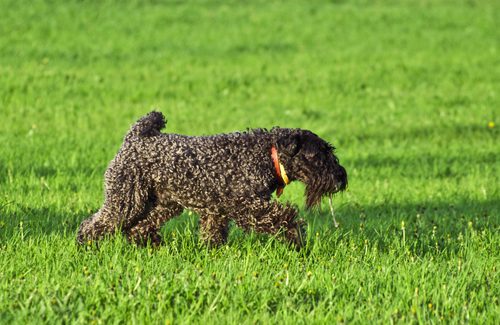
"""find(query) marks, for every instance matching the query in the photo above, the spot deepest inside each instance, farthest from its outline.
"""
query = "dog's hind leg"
(147, 229)
(126, 199)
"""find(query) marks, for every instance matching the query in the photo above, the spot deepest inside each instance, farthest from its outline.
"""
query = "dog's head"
(311, 160)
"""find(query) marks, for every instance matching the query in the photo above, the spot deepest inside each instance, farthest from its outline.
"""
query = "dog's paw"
(296, 234)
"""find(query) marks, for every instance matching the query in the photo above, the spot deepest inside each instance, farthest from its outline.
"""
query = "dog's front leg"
(214, 227)
(272, 218)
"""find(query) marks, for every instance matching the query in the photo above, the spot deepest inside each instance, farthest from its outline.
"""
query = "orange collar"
(280, 171)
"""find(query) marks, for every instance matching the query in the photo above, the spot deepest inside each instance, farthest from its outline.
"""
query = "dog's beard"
(317, 188)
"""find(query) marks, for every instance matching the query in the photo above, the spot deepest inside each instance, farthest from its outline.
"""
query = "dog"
(155, 176)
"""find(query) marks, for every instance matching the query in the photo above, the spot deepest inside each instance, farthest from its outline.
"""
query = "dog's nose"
(341, 176)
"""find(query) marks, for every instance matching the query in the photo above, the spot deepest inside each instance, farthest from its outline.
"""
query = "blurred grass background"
(404, 90)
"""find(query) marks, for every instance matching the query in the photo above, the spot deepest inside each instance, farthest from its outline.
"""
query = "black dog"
(155, 176)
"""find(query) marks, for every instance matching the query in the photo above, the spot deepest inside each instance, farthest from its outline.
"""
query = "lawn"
(408, 92)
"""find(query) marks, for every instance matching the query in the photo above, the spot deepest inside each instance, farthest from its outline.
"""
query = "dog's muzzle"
(340, 179)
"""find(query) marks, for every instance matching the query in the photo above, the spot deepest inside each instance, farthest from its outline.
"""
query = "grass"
(405, 91)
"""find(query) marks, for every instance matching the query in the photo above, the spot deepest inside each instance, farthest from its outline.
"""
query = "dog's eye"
(311, 155)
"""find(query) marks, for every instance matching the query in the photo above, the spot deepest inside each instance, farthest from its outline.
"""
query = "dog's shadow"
(379, 223)
(17, 220)
(426, 225)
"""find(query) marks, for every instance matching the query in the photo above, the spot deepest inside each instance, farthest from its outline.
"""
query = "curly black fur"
(155, 176)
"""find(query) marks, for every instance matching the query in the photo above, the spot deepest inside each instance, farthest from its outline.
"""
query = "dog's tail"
(148, 125)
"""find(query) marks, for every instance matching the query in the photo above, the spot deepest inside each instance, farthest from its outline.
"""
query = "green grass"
(404, 90)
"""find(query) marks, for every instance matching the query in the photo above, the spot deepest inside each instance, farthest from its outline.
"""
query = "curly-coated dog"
(155, 176)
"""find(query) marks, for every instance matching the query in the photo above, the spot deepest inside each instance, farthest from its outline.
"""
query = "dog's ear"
(290, 145)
